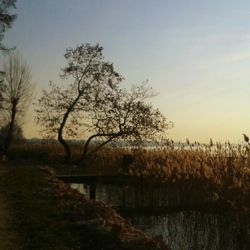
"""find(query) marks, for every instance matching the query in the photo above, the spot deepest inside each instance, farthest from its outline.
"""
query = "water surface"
(157, 211)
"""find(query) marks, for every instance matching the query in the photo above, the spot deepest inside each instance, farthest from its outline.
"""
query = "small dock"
(93, 180)
(115, 180)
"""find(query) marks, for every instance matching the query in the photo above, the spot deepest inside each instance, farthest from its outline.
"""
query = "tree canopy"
(64, 110)
(93, 106)
(125, 114)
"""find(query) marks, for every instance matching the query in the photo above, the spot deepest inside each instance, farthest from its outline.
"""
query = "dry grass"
(48, 214)
(223, 168)
(8, 234)
(218, 163)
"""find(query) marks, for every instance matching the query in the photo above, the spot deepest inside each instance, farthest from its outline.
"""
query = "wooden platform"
(116, 180)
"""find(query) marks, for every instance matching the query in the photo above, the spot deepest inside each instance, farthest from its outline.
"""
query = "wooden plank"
(118, 180)
(115, 180)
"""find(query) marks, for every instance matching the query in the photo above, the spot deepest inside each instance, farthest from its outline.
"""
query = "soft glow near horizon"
(195, 54)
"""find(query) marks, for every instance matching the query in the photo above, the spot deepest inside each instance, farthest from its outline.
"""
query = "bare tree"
(17, 92)
(60, 110)
(95, 104)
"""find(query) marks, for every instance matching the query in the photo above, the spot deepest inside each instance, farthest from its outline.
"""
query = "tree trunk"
(9, 134)
(86, 146)
(64, 143)
(67, 157)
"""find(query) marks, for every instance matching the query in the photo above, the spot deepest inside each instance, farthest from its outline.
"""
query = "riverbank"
(44, 213)
(8, 234)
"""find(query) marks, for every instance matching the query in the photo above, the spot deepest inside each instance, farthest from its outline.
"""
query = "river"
(162, 213)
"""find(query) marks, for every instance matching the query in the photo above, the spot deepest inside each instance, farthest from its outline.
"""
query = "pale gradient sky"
(195, 54)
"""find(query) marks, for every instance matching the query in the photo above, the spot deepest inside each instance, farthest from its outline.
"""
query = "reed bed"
(198, 173)
(227, 165)
(221, 164)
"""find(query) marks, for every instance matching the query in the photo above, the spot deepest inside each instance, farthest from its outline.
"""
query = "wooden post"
(126, 161)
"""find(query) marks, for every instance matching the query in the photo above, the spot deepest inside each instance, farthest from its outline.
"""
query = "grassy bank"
(38, 217)
(47, 214)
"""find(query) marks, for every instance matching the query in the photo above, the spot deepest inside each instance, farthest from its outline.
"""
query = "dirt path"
(8, 236)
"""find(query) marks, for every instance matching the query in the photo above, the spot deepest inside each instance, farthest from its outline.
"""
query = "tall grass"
(220, 172)
(220, 164)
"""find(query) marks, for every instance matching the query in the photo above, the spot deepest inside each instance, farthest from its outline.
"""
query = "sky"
(194, 53)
